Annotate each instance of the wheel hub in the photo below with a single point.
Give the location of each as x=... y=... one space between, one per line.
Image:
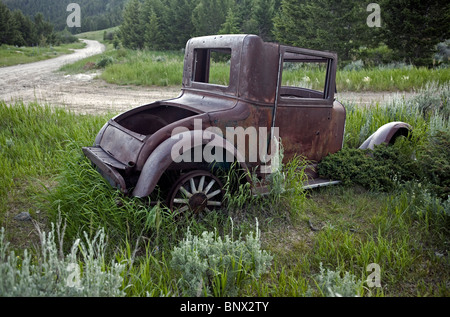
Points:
x=198 y=202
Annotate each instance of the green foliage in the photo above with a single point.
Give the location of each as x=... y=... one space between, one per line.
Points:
x=144 y=68
x=50 y=273
x=380 y=169
x=442 y=56
x=230 y=26
x=423 y=158
x=18 y=29
x=210 y=265
x=131 y=29
x=376 y=56
x=104 y=61
x=386 y=167
x=413 y=28
x=95 y=14
x=209 y=15
x=334 y=284
x=322 y=25
x=86 y=200
x=435 y=163
x=168 y=24
x=410 y=29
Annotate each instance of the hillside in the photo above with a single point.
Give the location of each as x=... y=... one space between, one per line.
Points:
x=95 y=14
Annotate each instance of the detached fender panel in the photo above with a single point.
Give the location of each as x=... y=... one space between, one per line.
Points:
x=164 y=155
x=386 y=134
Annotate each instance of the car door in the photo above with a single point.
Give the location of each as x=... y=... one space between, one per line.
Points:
x=309 y=121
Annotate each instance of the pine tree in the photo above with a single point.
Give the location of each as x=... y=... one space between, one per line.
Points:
x=231 y=25
x=209 y=15
x=6 y=24
x=44 y=30
x=25 y=31
x=263 y=15
x=132 y=30
x=322 y=24
x=153 y=37
x=413 y=28
x=181 y=27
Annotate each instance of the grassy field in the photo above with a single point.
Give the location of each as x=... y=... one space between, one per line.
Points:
x=11 y=55
x=143 y=67
x=291 y=243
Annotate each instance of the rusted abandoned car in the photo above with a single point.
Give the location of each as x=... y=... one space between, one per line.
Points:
x=176 y=145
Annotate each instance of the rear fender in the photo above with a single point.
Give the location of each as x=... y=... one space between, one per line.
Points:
x=168 y=152
x=386 y=134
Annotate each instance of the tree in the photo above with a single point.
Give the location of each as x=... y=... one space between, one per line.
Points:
x=153 y=36
x=132 y=30
x=6 y=24
x=413 y=28
x=322 y=24
x=180 y=23
x=262 y=14
x=44 y=30
x=25 y=30
x=209 y=15
x=231 y=24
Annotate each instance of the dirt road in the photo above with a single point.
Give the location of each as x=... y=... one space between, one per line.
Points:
x=84 y=93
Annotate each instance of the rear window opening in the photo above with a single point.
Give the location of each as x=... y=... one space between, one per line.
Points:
x=304 y=76
x=212 y=66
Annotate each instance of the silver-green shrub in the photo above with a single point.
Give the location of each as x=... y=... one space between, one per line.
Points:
x=212 y=266
x=334 y=284
x=51 y=274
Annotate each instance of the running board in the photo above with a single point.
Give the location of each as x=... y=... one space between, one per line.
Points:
x=319 y=182
x=309 y=184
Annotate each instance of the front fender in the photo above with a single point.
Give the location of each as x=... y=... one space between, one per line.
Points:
x=386 y=134
x=162 y=157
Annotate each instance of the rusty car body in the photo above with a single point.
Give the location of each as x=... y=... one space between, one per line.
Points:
x=135 y=149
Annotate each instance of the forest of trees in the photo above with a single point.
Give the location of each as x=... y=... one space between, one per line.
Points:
x=409 y=30
x=21 y=30
x=95 y=14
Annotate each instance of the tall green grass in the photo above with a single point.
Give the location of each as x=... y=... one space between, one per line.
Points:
x=34 y=141
x=426 y=112
x=390 y=79
x=148 y=68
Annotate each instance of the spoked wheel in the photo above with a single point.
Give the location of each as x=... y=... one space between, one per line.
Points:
x=196 y=191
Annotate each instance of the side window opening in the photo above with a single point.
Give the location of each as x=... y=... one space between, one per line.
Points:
x=305 y=76
x=212 y=66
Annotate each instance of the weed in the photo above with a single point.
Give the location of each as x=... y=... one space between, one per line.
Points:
x=333 y=284
x=50 y=273
x=210 y=265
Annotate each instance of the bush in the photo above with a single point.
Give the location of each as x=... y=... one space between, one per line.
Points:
x=210 y=265
x=376 y=56
x=380 y=169
x=355 y=65
x=435 y=163
x=333 y=284
x=442 y=56
x=104 y=61
x=388 y=166
x=53 y=274
x=65 y=37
